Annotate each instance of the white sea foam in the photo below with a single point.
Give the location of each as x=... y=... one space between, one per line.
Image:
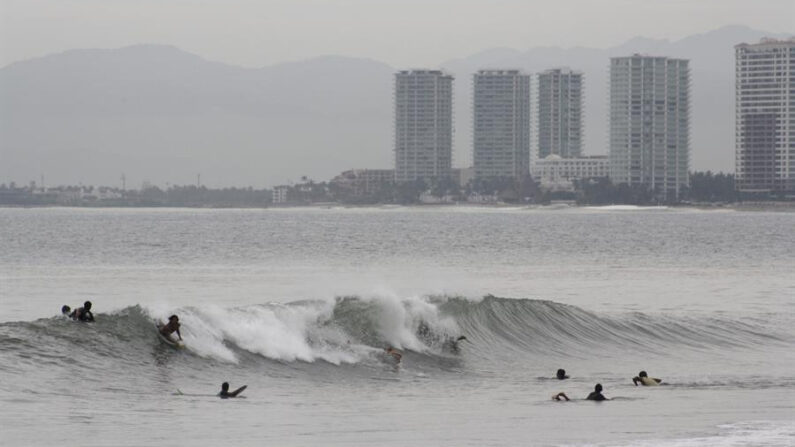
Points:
x=400 y=318
x=626 y=208
x=305 y=331
x=753 y=433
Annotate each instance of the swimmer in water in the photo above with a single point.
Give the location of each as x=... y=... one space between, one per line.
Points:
x=597 y=394
x=645 y=380
x=226 y=394
x=66 y=311
x=453 y=344
x=560 y=396
x=561 y=374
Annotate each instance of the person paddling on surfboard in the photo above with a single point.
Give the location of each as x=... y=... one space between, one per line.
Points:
x=66 y=311
x=597 y=394
x=225 y=393
x=645 y=380
x=172 y=326
x=561 y=374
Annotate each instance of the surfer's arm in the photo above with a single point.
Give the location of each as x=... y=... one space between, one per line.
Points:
x=179 y=335
x=238 y=391
x=635 y=380
x=658 y=380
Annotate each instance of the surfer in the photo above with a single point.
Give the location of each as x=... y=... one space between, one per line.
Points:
x=225 y=393
x=561 y=374
x=394 y=353
x=559 y=396
x=172 y=326
x=453 y=344
x=645 y=380
x=83 y=313
x=66 y=311
x=597 y=394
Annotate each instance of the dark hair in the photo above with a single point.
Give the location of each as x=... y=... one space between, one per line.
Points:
x=643 y=374
x=598 y=387
x=65 y=309
x=173 y=317
x=561 y=373
x=87 y=305
x=225 y=386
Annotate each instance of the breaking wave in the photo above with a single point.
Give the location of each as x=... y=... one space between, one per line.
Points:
x=355 y=330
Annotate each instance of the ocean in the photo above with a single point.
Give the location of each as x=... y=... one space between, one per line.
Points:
x=300 y=303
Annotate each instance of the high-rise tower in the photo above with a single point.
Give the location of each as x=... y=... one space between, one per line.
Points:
x=560 y=113
x=423 y=125
x=650 y=123
x=765 y=116
x=501 y=123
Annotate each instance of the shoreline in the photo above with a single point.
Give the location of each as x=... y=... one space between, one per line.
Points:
x=738 y=206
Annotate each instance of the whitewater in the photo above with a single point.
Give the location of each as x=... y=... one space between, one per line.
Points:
x=299 y=304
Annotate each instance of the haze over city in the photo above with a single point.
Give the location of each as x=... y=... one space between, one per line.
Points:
x=394 y=223
x=401 y=33
x=323 y=114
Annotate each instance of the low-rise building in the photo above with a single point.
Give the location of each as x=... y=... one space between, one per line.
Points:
x=557 y=173
x=280 y=193
x=363 y=182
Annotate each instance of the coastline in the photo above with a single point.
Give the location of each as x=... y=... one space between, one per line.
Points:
x=780 y=206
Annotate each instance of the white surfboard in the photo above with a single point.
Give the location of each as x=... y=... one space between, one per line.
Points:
x=177 y=344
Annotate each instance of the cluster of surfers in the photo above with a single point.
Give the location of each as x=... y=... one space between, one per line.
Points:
x=642 y=378
x=167 y=330
x=79 y=314
x=85 y=315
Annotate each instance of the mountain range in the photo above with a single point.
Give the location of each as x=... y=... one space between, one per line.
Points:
x=156 y=113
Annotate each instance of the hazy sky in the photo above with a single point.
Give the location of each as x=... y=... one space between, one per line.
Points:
x=399 y=32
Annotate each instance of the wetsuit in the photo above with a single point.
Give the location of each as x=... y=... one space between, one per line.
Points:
x=84 y=315
x=226 y=394
x=597 y=396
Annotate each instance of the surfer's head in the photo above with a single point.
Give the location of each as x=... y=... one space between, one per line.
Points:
x=173 y=318
x=225 y=386
x=87 y=305
x=643 y=374
x=598 y=388
x=66 y=309
x=561 y=374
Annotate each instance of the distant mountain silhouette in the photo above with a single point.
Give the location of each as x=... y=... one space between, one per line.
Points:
x=158 y=113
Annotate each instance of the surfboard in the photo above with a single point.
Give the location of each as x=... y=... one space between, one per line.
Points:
x=177 y=344
x=648 y=381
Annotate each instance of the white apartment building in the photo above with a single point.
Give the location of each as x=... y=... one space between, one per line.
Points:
x=765 y=116
x=501 y=123
x=558 y=173
x=650 y=123
x=279 y=194
x=560 y=124
x=423 y=125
